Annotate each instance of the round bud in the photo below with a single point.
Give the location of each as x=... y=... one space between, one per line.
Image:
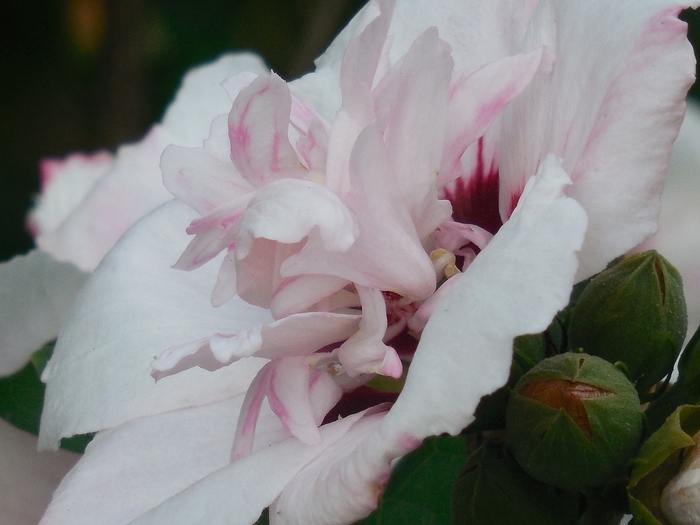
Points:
x=573 y=421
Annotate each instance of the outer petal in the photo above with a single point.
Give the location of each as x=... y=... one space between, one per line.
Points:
x=679 y=223
x=36 y=294
x=64 y=184
x=150 y=460
x=27 y=477
x=237 y=494
x=515 y=286
x=133 y=187
x=100 y=377
x=611 y=109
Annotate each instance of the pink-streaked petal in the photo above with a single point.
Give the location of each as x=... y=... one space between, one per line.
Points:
x=453 y=235
x=288 y=210
x=476 y=99
x=27 y=477
x=299 y=334
x=365 y=352
x=299 y=395
x=247 y=486
x=313 y=146
x=36 y=294
x=273 y=227
x=64 y=184
x=200 y=180
x=387 y=254
x=478 y=32
x=356 y=79
x=258 y=130
x=414 y=95
x=213 y=233
x=297 y=294
x=201 y=96
x=101 y=378
x=611 y=109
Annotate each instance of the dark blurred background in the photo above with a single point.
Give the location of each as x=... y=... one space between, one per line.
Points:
x=83 y=75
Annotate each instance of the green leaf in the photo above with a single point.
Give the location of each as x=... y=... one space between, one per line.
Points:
x=659 y=460
x=420 y=486
x=492 y=489
x=22 y=398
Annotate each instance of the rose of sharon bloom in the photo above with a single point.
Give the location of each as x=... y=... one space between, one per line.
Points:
x=433 y=190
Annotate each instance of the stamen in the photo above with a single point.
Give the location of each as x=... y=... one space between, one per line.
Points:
x=444 y=263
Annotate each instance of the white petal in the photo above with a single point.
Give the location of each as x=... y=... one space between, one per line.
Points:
x=134 y=307
x=237 y=493
x=36 y=295
x=136 y=466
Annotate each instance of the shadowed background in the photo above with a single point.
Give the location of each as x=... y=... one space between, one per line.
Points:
x=83 y=75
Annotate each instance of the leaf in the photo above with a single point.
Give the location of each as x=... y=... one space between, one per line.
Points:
x=421 y=484
x=22 y=398
x=659 y=460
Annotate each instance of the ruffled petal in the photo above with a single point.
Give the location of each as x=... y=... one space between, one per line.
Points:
x=292 y=388
x=273 y=227
x=387 y=254
x=99 y=378
x=299 y=334
x=365 y=352
x=476 y=99
x=200 y=97
x=258 y=129
x=36 y=295
x=27 y=477
x=414 y=96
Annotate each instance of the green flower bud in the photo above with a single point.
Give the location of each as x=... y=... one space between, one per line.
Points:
x=492 y=489
x=633 y=313
x=573 y=421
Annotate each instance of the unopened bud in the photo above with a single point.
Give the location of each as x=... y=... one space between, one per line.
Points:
x=633 y=313
x=573 y=421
